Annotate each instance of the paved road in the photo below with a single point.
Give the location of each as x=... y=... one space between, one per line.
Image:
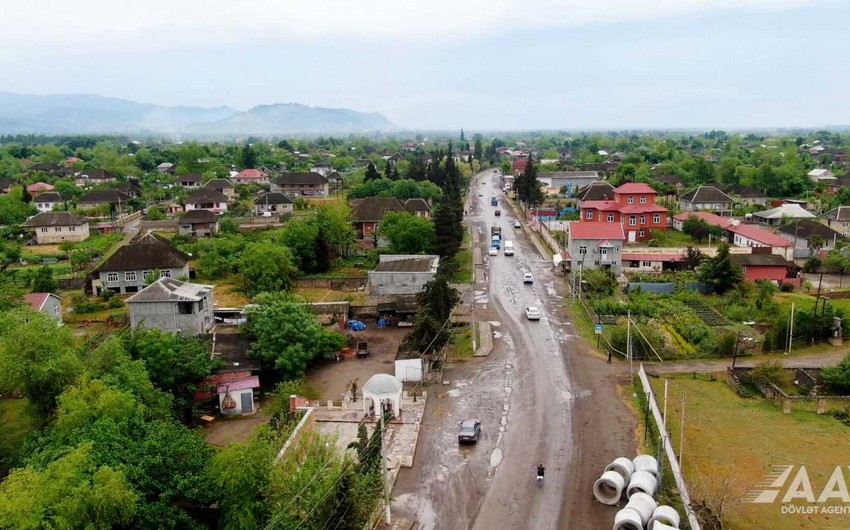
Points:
x=529 y=401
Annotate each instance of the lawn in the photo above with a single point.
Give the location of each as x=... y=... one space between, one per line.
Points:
x=16 y=425
x=329 y=295
x=464 y=261
x=807 y=301
x=731 y=443
x=460 y=346
x=674 y=238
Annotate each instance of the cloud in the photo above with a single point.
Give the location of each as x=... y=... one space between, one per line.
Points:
x=109 y=26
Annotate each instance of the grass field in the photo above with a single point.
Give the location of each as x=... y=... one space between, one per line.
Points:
x=464 y=261
x=16 y=425
x=731 y=443
x=461 y=343
x=807 y=301
x=329 y=295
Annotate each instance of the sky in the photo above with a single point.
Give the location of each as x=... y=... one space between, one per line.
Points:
x=447 y=64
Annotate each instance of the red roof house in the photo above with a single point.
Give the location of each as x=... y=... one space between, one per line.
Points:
x=518 y=166
x=250 y=176
x=633 y=207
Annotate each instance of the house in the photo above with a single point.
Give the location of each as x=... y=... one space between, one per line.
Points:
x=801 y=233
x=567 y=181
x=223 y=186
x=782 y=214
x=94 y=177
x=47 y=303
x=139 y=262
x=595 y=191
x=116 y=200
x=335 y=179
x=273 y=203
x=418 y=207
x=649 y=262
x=174 y=306
x=746 y=195
x=821 y=175
x=6 y=185
x=198 y=223
x=518 y=166
x=369 y=212
x=762 y=266
x=596 y=246
x=744 y=235
x=39 y=187
x=671 y=182
x=838 y=219
x=706 y=199
x=206 y=199
x=130 y=188
x=633 y=206
x=58 y=227
x=237 y=396
x=45 y=167
x=401 y=274
x=838 y=184
x=250 y=176
x=190 y=180
x=303 y=184
x=710 y=218
x=45 y=202
x=166 y=167
x=322 y=169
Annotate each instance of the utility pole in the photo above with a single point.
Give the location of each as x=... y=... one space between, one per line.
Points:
x=629 y=346
x=735 y=352
x=384 y=468
x=682 y=432
x=790 y=330
x=472 y=297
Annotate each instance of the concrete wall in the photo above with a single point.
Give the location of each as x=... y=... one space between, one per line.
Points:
x=274 y=209
x=409 y=369
x=165 y=316
x=398 y=282
x=593 y=259
x=139 y=283
x=49 y=235
x=53 y=307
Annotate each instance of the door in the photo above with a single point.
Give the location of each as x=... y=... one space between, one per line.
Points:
x=632 y=236
x=248 y=402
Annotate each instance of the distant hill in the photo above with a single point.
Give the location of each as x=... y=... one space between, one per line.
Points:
x=93 y=114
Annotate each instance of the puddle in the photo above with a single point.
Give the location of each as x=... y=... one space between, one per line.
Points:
x=496 y=457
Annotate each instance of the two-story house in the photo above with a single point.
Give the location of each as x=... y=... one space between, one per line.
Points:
x=633 y=206
x=45 y=202
x=57 y=227
x=116 y=200
x=138 y=263
x=174 y=306
x=206 y=199
x=303 y=184
x=190 y=180
x=250 y=176
x=94 y=177
x=838 y=219
x=198 y=223
x=595 y=246
x=273 y=203
x=223 y=186
x=706 y=199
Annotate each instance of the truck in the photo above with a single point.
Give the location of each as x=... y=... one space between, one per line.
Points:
x=509 y=248
x=496 y=231
x=493 y=200
x=495 y=242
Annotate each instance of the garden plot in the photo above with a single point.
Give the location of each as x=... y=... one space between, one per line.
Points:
x=706 y=313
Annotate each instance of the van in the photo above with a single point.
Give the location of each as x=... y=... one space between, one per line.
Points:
x=509 y=248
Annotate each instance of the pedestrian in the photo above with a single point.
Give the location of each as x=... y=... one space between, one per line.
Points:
x=610 y=352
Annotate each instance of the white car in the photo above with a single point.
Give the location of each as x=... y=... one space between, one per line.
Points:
x=532 y=313
x=517 y=225
x=527 y=278
x=493 y=251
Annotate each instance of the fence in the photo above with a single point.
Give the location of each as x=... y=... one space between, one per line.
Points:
x=349 y=284
x=668 y=449
x=164 y=225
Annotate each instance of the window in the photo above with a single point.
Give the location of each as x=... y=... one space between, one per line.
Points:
x=631 y=199
x=656 y=218
x=201 y=304
x=56 y=310
x=165 y=273
x=185 y=308
x=582 y=250
x=130 y=276
x=634 y=264
x=43 y=230
x=148 y=275
x=72 y=228
x=641 y=233
x=112 y=276
x=643 y=199
x=632 y=220
x=647 y=264
x=603 y=251
x=642 y=219
x=57 y=229
x=589 y=214
x=610 y=218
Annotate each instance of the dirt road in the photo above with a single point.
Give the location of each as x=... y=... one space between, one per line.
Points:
x=540 y=399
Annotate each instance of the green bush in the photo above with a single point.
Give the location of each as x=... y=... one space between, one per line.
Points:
x=737 y=312
x=84 y=305
x=114 y=303
x=768 y=372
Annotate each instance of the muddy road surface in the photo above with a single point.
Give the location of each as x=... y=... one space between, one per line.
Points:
x=540 y=396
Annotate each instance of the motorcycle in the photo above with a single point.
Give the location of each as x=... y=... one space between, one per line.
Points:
x=540 y=477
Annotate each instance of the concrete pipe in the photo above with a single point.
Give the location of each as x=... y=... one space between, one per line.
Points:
x=623 y=466
x=646 y=463
x=664 y=515
x=642 y=481
x=609 y=488
x=644 y=505
x=661 y=526
x=627 y=519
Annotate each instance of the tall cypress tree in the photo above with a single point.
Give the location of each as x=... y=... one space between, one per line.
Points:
x=534 y=195
x=371 y=173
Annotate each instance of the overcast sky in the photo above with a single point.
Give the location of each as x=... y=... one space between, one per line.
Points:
x=446 y=64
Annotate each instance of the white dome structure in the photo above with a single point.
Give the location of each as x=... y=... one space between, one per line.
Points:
x=382 y=389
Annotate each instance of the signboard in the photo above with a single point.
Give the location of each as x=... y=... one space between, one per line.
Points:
x=598 y=329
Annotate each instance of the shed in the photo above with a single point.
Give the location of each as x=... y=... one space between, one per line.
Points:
x=409 y=366
x=382 y=390
x=237 y=397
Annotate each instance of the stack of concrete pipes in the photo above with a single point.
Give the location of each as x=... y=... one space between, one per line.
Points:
x=638 y=480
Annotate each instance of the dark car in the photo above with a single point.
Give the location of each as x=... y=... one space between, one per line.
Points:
x=468 y=431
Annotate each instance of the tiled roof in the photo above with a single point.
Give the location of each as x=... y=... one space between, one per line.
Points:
x=40 y=186
x=635 y=187
x=54 y=219
x=372 y=209
x=110 y=196
x=710 y=218
x=205 y=195
x=304 y=177
x=761 y=235
x=219 y=184
x=199 y=216
x=580 y=230
x=48 y=196
x=250 y=174
x=759 y=260
x=841 y=213
x=705 y=194
x=171 y=290
x=189 y=178
x=417 y=205
x=596 y=191
x=148 y=251
x=273 y=197
x=805 y=228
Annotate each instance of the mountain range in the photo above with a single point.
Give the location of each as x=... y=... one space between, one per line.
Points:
x=94 y=114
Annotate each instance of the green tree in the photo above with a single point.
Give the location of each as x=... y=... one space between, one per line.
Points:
x=240 y=475
x=287 y=336
x=43 y=281
x=838 y=376
x=697 y=228
x=371 y=173
x=266 y=267
x=336 y=219
x=71 y=492
x=720 y=272
x=837 y=261
x=407 y=233
x=299 y=235
x=248 y=159
x=14 y=208
x=192 y=159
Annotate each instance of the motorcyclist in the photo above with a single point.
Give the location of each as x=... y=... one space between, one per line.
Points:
x=540 y=470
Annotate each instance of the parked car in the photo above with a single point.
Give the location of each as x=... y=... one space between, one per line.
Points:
x=468 y=431
x=517 y=224
x=527 y=278
x=532 y=313
x=494 y=251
